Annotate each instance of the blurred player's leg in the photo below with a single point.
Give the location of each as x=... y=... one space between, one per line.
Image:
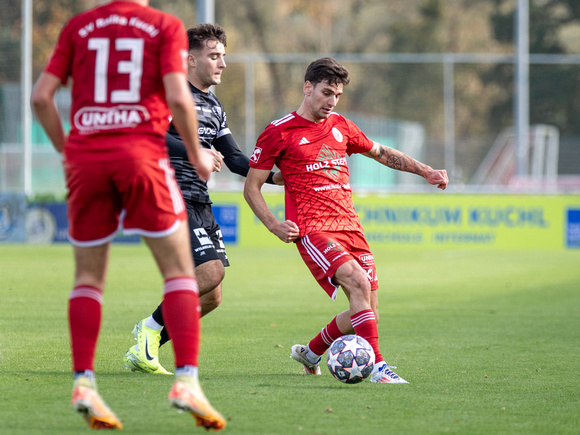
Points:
x=84 y=314
x=209 y=276
x=90 y=405
x=181 y=315
x=186 y=395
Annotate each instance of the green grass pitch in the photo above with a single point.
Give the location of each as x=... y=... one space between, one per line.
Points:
x=489 y=341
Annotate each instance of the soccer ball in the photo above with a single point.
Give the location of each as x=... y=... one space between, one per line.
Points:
x=350 y=359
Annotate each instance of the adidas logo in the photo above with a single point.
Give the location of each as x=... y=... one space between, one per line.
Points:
x=303 y=141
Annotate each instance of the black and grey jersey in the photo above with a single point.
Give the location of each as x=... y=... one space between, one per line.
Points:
x=213 y=131
x=212 y=126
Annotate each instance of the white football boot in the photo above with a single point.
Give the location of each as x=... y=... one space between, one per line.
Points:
x=382 y=374
x=299 y=353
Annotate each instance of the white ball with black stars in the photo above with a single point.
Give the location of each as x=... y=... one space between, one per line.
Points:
x=350 y=359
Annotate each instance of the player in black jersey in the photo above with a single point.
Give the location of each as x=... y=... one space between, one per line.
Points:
x=206 y=61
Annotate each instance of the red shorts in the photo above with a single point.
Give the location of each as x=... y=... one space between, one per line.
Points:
x=324 y=253
x=142 y=196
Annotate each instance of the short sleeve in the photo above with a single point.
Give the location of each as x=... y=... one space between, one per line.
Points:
x=268 y=148
x=61 y=60
x=174 y=48
x=358 y=142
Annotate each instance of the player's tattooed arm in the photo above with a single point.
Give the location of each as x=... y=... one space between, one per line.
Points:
x=395 y=159
x=402 y=162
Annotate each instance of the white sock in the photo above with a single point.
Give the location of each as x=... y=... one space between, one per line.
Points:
x=152 y=324
x=311 y=356
x=86 y=374
x=186 y=371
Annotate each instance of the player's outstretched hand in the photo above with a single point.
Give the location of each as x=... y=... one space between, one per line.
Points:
x=438 y=177
x=286 y=231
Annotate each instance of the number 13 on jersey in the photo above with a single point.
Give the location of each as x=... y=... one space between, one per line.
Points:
x=133 y=67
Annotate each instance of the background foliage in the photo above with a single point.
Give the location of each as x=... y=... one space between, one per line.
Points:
x=401 y=91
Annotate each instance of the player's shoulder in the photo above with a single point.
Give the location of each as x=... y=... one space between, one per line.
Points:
x=278 y=127
x=340 y=121
x=82 y=18
x=283 y=122
x=337 y=118
x=125 y=13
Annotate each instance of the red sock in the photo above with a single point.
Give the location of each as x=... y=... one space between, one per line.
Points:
x=181 y=316
x=322 y=341
x=365 y=325
x=84 y=318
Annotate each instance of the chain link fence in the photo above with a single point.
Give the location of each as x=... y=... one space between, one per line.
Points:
x=451 y=111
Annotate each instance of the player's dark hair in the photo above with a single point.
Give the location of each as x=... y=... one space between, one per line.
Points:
x=198 y=35
x=327 y=70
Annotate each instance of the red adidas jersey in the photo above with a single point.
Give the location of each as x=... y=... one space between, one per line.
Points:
x=117 y=55
x=312 y=158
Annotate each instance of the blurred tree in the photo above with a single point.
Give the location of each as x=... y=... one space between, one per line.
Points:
x=415 y=90
x=483 y=93
x=184 y=9
x=554 y=89
x=302 y=26
x=49 y=16
x=10 y=37
x=48 y=19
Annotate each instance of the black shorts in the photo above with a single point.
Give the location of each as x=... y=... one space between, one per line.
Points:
x=206 y=237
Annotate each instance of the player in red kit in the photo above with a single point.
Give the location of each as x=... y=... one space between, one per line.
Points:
x=310 y=147
x=127 y=64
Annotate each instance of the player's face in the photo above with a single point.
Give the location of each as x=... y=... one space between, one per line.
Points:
x=322 y=99
x=209 y=64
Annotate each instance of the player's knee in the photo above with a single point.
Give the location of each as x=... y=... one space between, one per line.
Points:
x=220 y=276
x=208 y=285
x=363 y=282
x=210 y=277
x=360 y=287
x=210 y=301
x=216 y=297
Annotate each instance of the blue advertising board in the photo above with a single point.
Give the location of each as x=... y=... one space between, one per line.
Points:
x=227 y=218
x=573 y=228
x=12 y=214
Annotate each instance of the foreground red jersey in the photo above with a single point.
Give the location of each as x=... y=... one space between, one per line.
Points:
x=117 y=55
x=312 y=159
